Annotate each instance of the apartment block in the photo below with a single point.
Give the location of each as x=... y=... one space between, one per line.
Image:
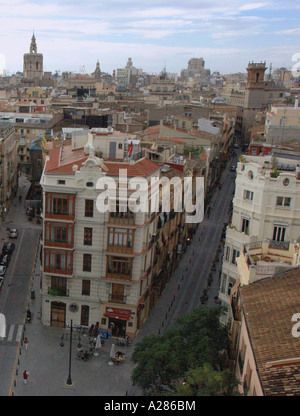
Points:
x=266 y=205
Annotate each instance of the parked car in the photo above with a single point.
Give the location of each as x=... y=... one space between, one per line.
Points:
x=2 y=271
x=1 y=281
x=13 y=233
x=5 y=260
x=8 y=248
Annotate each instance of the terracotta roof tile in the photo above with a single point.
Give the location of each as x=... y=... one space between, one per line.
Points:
x=268 y=307
x=64 y=163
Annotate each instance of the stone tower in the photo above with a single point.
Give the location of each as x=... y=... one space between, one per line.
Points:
x=97 y=72
x=254 y=93
x=33 y=63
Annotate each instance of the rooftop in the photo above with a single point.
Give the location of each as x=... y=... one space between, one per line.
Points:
x=62 y=160
x=268 y=306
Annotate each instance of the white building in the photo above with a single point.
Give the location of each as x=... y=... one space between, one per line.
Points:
x=96 y=266
x=266 y=205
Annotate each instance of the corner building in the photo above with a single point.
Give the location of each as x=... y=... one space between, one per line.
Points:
x=96 y=267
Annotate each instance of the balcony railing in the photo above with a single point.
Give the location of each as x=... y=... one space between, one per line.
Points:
x=119 y=249
x=117 y=276
x=58 y=243
x=57 y=292
x=121 y=218
x=58 y=270
x=117 y=298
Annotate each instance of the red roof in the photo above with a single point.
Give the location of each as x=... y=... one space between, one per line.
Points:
x=64 y=163
x=172 y=139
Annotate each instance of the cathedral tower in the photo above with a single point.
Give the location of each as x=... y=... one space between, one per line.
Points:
x=33 y=63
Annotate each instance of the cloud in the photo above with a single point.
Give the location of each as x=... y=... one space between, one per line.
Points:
x=71 y=33
x=252 y=6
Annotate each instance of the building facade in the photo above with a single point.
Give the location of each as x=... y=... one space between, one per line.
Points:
x=265 y=206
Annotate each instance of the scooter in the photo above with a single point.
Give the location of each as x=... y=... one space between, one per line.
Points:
x=28 y=316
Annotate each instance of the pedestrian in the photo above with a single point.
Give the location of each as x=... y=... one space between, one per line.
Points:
x=25 y=376
x=26 y=343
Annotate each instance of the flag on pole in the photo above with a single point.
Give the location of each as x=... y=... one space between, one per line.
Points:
x=130 y=148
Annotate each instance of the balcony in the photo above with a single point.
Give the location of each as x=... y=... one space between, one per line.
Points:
x=58 y=243
x=119 y=249
x=117 y=298
x=120 y=218
x=59 y=215
x=58 y=270
x=118 y=276
x=58 y=292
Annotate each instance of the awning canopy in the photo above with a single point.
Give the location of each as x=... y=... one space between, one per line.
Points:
x=121 y=314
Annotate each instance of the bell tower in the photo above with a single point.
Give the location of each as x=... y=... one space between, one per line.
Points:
x=33 y=63
x=33 y=47
x=255 y=85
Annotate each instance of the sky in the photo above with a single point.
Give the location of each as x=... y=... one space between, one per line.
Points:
x=73 y=34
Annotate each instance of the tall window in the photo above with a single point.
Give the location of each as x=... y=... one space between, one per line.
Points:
x=85 y=312
x=235 y=254
x=227 y=255
x=60 y=204
x=245 y=226
x=59 y=283
x=119 y=265
x=121 y=211
x=120 y=237
x=88 y=236
x=87 y=263
x=58 y=233
x=86 y=287
x=248 y=195
x=89 y=208
x=279 y=233
x=224 y=283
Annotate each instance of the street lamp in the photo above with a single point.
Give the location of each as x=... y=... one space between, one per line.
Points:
x=69 y=383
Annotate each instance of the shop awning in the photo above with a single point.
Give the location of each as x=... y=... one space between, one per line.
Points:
x=121 y=314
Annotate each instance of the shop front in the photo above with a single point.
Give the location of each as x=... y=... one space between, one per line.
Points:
x=117 y=321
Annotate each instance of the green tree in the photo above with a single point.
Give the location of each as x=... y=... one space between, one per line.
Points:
x=205 y=381
x=162 y=361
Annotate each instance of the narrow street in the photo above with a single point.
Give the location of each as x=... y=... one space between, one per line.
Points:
x=47 y=360
x=15 y=290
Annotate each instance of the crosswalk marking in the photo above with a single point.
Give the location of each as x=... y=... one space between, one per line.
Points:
x=11 y=332
x=18 y=333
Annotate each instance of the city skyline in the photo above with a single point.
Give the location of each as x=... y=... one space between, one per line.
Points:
x=156 y=36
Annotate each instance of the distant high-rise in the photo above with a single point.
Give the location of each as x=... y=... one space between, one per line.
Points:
x=33 y=63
